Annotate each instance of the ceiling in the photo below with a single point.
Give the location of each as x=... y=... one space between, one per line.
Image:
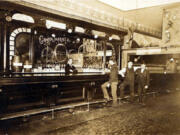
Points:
x=145 y=12
x=136 y=4
x=151 y=16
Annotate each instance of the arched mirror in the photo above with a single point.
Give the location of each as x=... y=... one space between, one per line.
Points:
x=19 y=44
x=22 y=45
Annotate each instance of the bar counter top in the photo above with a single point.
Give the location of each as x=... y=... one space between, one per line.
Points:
x=37 y=78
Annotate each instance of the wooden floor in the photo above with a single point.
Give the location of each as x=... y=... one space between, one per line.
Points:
x=160 y=116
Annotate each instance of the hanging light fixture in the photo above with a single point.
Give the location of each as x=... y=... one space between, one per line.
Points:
x=8 y=18
x=53 y=35
x=95 y=36
x=110 y=38
x=70 y=28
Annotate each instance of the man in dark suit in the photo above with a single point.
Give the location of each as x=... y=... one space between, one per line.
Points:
x=128 y=74
x=143 y=82
x=69 y=68
x=113 y=82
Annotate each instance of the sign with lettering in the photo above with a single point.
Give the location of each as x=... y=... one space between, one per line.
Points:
x=52 y=47
x=49 y=40
x=148 y=51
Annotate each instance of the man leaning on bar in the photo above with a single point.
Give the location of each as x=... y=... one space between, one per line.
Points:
x=128 y=74
x=113 y=82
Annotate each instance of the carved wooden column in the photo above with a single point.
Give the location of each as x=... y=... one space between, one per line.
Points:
x=1 y=47
x=125 y=59
x=120 y=51
x=31 y=47
x=5 y=48
x=104 y=58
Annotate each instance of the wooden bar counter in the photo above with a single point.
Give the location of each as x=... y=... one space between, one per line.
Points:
x=39 y=78
x=31 y=90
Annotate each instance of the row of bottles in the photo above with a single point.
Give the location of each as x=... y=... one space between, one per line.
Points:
x=26 y=67
x=56 y=67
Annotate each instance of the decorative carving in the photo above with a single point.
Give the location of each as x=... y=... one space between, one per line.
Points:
x=130 y=36
x=167 y=33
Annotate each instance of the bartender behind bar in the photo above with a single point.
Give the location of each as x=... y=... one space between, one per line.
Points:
x=69 y=68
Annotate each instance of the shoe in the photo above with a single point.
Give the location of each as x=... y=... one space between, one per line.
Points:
x=121 y=102
x=142 y=104
x=114 y=104
x=106 y=100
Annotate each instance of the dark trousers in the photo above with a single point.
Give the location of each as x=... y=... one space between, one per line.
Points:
x=124 y=84
x=141 y=93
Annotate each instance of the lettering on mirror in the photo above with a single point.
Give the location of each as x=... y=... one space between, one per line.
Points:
x=47 y=40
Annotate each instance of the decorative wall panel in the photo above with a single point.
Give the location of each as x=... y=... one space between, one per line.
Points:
x=171 y=27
